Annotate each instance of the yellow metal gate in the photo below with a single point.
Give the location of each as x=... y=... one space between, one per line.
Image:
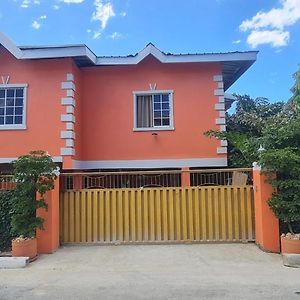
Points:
x=157 y=215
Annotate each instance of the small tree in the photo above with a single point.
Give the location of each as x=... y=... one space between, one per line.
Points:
x=34 y=174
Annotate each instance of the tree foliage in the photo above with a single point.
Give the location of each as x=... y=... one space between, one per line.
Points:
x=275 y=130
x=34 y=174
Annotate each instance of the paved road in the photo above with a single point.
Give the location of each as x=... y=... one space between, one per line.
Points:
x=218 y=271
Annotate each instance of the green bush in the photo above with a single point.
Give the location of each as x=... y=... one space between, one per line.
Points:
x=5 y=220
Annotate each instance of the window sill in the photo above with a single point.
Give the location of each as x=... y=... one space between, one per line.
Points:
x=12 y=127
x=154 y=129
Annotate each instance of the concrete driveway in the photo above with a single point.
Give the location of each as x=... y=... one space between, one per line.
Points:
x=206 y=271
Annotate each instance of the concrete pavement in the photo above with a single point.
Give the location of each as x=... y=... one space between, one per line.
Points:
x=195 y=271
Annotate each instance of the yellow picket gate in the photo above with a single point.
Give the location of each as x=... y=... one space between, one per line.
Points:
x=157 y=215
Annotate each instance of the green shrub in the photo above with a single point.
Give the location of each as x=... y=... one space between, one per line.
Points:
x=5 y=220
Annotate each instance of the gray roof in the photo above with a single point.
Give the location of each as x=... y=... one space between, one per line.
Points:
x=233 y=64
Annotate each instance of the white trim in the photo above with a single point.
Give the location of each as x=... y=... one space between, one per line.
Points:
x=67 y=135
x=67 y=118
x=70 y=126
x=230 y=97
x=224 y=143
x=68 y=85
x=68 y=101
x=149 y=164
x=219 y=92
x=10 y=46
x=8 y=160
x=222 y=150
x=221 y=99
x=221 y=85
x=220 y=121
x=67 y=151
x=70 y=93
x=222 y=127
x=69 y=143
x=153 y=92
x=22 y=126
x=218 y=78
x=70 y=77
x=219 y=106
x=14 y=85
x=222 y=114
x=70 y=110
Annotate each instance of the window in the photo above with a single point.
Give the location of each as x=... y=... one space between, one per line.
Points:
x=153 y=110
x=12 y=106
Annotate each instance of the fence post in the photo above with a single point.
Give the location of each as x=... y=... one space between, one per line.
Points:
x=266 y=223
x=48 y=239
x=185 y=177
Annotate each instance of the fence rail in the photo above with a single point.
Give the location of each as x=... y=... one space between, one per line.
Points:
x=6 y=182
x=163 y=178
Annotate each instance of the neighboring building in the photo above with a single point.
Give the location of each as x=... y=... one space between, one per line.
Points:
x=142 y=111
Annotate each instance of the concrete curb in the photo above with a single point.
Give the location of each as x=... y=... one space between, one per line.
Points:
x=13 y=262
x=291 y=260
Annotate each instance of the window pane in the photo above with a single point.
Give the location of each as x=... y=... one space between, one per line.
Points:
x=2 y=93
x=9 y=120
x=19 y=93
x=18 y=120
x=165 y=113
x=2 y=102
x=10 y=93
x=9 y=102
x=157 y=122
x=9 y=110
x=166 y=122
x=19 y=102
x=165 y=106
x=157 y=98
x=18 y=110
x=1 y=120
x=165 y=97
x=1 y=111
x=157 y=114
x=157 y=106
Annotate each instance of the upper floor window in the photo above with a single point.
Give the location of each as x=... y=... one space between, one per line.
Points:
x=12 y=106
x=153 y=110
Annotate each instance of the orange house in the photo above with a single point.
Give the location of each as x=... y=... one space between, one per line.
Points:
x=142 y=111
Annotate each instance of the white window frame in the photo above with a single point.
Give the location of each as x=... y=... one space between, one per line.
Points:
x=153 y=92
x=17 y=126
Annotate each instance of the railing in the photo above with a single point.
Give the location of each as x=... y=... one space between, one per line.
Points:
x=6 y=182
x=163 y=178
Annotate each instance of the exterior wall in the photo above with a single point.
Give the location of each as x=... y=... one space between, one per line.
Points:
x=44 y=109
x=107 y=111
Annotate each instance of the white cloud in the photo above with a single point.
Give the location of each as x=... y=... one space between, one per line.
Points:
x=236 y=42
x=116 y=36
x=36 y=25
x=56 y=7
x=71 y=1
x=270 y=27
x=276 y=38
x=25 y=3
x=123 y=14
x=38 y=2
x=103 y=12
x=97 y=35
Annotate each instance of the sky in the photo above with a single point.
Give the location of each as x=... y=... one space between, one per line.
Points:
x=122 y=27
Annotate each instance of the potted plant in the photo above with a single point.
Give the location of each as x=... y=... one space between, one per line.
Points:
x=34 y=175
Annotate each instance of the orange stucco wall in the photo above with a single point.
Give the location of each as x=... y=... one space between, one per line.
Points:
x=44 y=108
x=107 y=111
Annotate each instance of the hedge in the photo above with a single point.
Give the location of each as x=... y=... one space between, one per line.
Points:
x=5 y=220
